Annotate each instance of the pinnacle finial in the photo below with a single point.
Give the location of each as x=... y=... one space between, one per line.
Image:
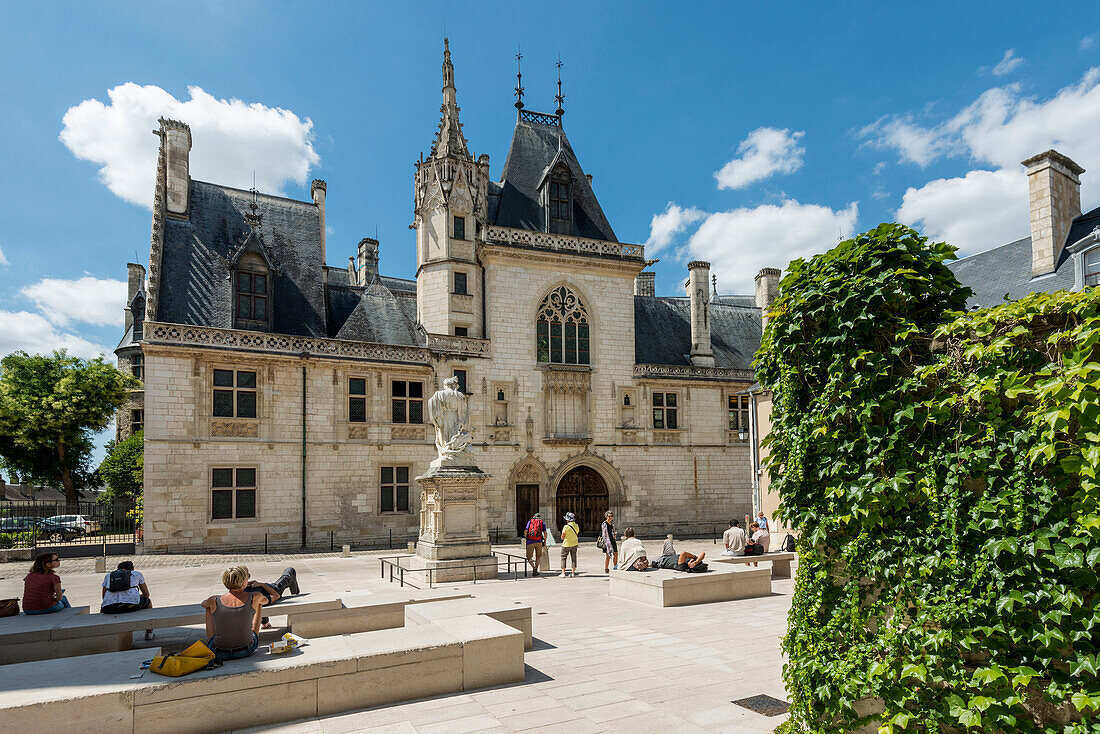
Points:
x=519 y=79
x=448 y=67
x=560 y=98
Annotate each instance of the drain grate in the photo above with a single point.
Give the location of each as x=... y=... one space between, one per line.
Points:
x=765 y=705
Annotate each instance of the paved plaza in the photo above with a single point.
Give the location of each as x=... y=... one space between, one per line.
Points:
x=598 y=664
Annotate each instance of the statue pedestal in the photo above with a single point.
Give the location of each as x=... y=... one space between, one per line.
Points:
x=454 y=526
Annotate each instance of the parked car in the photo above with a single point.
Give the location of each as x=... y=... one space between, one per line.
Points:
x=47 y=530
x=16 y=524
x=80 y=523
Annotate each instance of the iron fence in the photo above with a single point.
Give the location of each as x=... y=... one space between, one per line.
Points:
x=70 y=530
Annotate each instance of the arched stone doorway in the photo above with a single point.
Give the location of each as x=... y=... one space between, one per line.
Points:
x=582 y=491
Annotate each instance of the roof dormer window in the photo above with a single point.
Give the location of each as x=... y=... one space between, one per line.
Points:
x=560 y=202
x=252 y=292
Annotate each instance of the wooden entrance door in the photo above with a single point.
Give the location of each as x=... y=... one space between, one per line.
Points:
x=583 y=492
x=527 y=504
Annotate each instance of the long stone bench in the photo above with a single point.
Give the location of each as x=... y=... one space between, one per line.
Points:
x=88 y=634
x=780 y=560
x=23 y=635
x=328 y=675
x=363 y=612
x=510 y=613
x=664 y=587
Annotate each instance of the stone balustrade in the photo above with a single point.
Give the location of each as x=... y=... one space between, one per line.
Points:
x=562 y=243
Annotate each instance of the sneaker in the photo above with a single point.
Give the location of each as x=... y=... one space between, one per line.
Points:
x=294 y=582
x=534 y=573
x=150 y=635
x=561 y=575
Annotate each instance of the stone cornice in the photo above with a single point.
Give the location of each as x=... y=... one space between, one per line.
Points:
x=464 y=345
x=563 y=243
x=255 y=341
x=690 y=372
x=631 y=267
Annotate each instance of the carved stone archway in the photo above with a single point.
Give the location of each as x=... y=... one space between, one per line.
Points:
x=528 y=485
x=590 y=484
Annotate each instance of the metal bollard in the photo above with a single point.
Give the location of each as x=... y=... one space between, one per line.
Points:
x=347 y=551
x=411 y=547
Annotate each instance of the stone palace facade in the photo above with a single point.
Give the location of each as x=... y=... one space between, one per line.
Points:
x=284 y=399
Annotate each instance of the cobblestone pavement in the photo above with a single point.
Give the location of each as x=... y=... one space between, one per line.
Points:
x=599 y=664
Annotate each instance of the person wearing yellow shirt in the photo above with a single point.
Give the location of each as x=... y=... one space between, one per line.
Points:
x=570 y=539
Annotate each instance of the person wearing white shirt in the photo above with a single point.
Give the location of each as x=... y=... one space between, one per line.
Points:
x=759 y=537
x=124 y=590
x=734 y=539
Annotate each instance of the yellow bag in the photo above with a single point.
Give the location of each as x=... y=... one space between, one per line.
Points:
x=195 y=657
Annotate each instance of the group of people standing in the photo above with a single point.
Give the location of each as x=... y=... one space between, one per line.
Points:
x=233 y=619
x=633 y=552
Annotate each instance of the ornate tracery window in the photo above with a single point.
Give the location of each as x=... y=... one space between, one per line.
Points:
x=562 y=328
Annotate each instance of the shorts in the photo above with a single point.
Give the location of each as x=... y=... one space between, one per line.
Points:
x=570 y=554
x=534 y=550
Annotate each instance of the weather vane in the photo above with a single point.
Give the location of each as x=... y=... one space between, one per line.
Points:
x=519 y=79
x=560 y=98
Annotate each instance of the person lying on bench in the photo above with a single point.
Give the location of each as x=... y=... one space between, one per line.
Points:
x=274 y=592
x=233 y=619
x=124 y=590
x=687 y=562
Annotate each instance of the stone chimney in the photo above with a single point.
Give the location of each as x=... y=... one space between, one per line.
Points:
x=645 y=284
x=318 y=191
x=353 y=273
x=135 y=283
x=698 y=285
x=1054 y=187
x=177 y=145
x=767 y=289
x=368 y=260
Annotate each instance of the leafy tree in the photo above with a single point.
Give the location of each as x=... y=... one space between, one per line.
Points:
x=122 y=468
x=50 y=409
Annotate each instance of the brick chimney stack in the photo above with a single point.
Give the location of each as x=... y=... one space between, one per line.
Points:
x=699 y=292
x=368 y=260
x=318 y=190
x=1054 y=187
x=177 y=145
x=645 y=284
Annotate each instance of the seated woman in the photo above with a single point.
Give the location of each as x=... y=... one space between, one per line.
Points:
x=42 y=592
x=233 y=619
x=274 y=592
x=632 y=553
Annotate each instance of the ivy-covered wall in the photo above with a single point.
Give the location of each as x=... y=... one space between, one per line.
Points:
x=942 y=468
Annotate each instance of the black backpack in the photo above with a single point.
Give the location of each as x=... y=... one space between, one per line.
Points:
x=119 y=580
x=788 y=543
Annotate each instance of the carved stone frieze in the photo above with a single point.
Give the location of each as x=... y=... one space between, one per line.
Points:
x=690 y=372
x=567 y=380
x=206 y=336
x=407 y=433
x=666 y=437
x=234 y=429
x=359 y=432
x=501 y=434
x=458 y=345
x=630 y=437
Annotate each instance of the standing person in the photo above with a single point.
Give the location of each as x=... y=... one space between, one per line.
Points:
x=610 y=548
x=124 y=590
x=535 y=536
x=570 y=539
x=42 y=592
x=735 y=539
x=762 y=521
x=233 y=619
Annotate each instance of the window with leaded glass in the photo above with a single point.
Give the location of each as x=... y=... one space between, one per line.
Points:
x=234 y=394
x=460 y=228
x=394 y=489
x=252 y=296
x=407 y=401
x=460 y=283
x=664 y=411
x=560 y=212
x=357 y=400
x=561 y=332
x=739 y=413
x=233 y=493
x=137 y=366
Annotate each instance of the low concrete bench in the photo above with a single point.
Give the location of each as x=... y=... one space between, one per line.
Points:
x=364 y=612
x=510 y=613
x=88 y=634
x=23 y=635
x=664 y=587
x=780 y=560
x=326 y=676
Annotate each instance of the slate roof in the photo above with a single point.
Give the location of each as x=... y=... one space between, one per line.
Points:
x=1005 y=271
x=514 y=202
x=662 y=332
x=196 y=288
x=384 y=317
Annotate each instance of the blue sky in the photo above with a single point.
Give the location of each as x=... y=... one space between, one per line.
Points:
x=752 y=132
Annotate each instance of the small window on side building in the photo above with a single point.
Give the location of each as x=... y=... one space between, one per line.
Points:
x=460 y=228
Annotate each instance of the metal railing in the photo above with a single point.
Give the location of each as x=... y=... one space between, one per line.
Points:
x=392 y=568
x=82 y=528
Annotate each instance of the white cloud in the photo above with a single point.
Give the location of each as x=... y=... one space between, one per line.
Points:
x=1088 y=42
x=32 y=333
x=3 y=260
x=86 y=300
x=980 y=210
x=1008 y=63
x=740 y=242
x=669 y=223
x=230 y=140
x=915 y=144
x=764 y=152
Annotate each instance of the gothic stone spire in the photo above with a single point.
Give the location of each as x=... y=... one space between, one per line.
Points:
x=449 y=141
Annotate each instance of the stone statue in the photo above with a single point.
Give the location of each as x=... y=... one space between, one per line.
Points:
x=448 y=412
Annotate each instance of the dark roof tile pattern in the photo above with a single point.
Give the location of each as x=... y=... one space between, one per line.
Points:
x=195 y=279
x=534 y=147
x=383 y=317
x=1006 y=270
x=662 y=332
